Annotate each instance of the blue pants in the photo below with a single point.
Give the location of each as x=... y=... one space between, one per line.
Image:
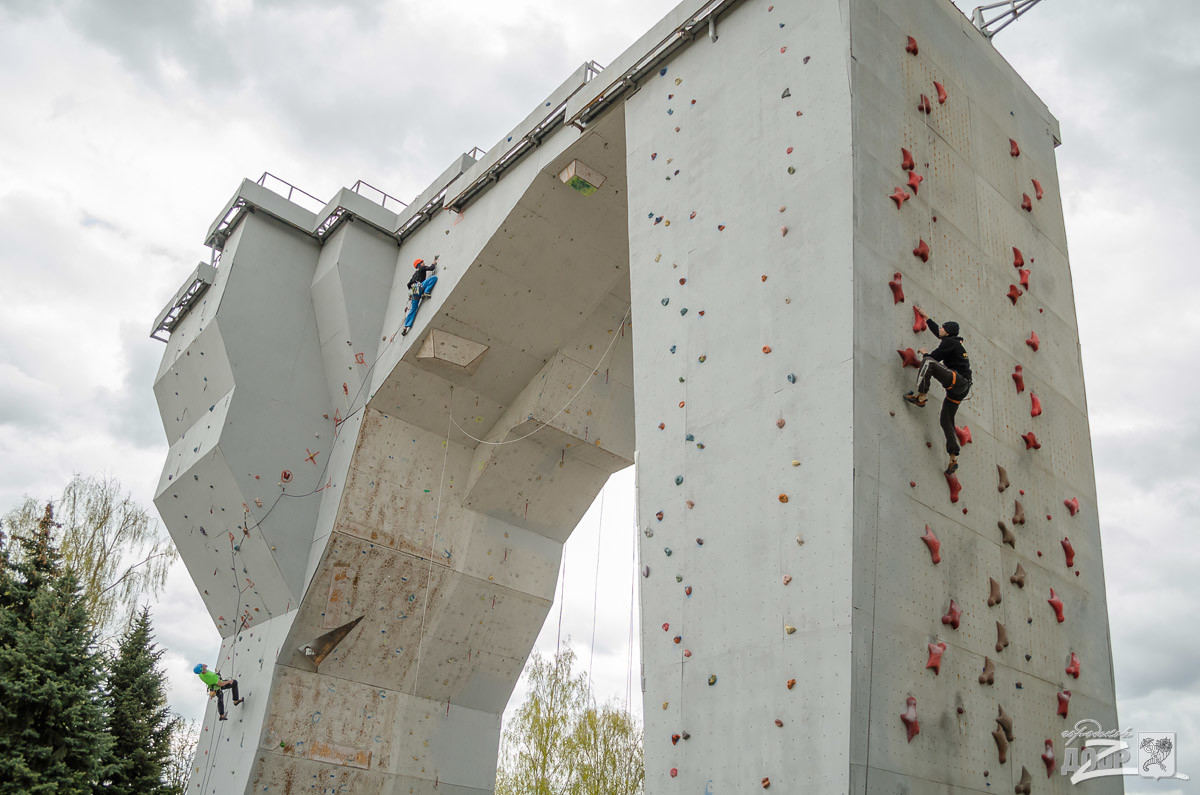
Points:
x=426 y=288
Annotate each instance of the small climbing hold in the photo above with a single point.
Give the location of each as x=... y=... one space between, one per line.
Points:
x=953 y=616
x=659 y=516
x=679 y=480
x=674 y=772
x=766 y=349
x=677 y=639
x=1063 y=697
x=674 y=739
x=1069 y=550
x=1072 y=505
x=1031 y=441
x=1018 y=577
x=941 y=92
x=1073 y=666
x=1057 y=604
x=645 y=571
x=1003 y=476
x=1006 y=535
x=689 y=438
x=994 y=597
x=787 y=578
x=790 y=150
x=712 y=679
x=791 y=378
x=912 y=48
x=699 y=542
x=782 y=50
x=955 y=487
x=1048 y=757
x=795 y=463
x=783 y=230
x=703 y=358
x=720 y=227
x=897 y=288
x=909 y=717
x=934 y=545
x=911 y=483
x=914 y=181
x=779 y=423
x=1037 y=189
x=1013 y=149
x=667 y=551
x=1025 y=785
x=906 y=160
x=787 y=92
x=664 y=302
x=789 y=629
x=1023 y=279
x=690 y=504
x=1033 y=341
x=783 y=498
x=687 y=653
x=1001 y=637
x=766 y=782
x=666 y=627
x=1018 y=516
x=1014 y=293
x=1018 y=258
x=919 y=323
x=779 y=723
x=800 y=540
x=683 y=311
x=764 y=277
x=1026 y=203
x=662 y=425
x=899 y=197
x=682 y=403
x=924 y=105
x=1001 y=745
x=963 y=434
x=922 y=251
x=285 y=476
x=936 y=650
x=791 y=169
x=791 y=683
x=988 y=676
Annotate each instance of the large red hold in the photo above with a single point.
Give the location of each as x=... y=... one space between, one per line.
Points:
x=1026 y=203
x=942 y=95
x=1018 y=258
x=911 y=47
x=936 y=650
x=922 y=249
x=1073 y=667
x=1063 y=698
x=1057 y=604
x=1035 y=405
x=1037 y=189
x=919 y=324
x=914 y=181
x=925 y=105
x=1023 y=273
x=1013 y=149
x=1014 y=292
x=954 y=616
x=1048 y=758
x=1069 y=550
x=1072 y=505
x=897 y=288
x=906 y=160
x=963 y=434
x=934 y=545
x=1018 y=378
x=955 y=487
x=908 y=358
x=899 y=197
x=1031 y=441
x=1033 y=341
x=909 y=716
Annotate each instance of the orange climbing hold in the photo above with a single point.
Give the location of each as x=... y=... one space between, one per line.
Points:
x=934 y=545
x=919 y=323
x=1033 y=341
x=1073 y=667
x=911 y=47
x=1026 y=203
x=922 y=249
x=766 y=349
x=941 y=92
x=914 y=181
x=963 y=434
x=906 y=160
x=766 y=783
x=1013 y=149
x=783 y=498
x=924 y=105
x=1031 y=441
x=909 y=716
x=908 y=358
x=1057 y=604
x=1037 y=189
x=1014 y=292
x=953 y=616
x=955 y=487
x=897 y=289
x=1072 y=505
x=899 y=197
x=779 y=423
x=791 y=683
x=1018 y=378
x=936 y=650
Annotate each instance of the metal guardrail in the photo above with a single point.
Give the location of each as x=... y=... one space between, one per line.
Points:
x=369 y=191
x=293 y=194
x=1012 y=10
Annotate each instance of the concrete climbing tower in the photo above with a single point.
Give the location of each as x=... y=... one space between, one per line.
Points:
x=708 y=253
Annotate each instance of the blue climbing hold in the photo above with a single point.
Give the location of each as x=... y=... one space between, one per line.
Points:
x=672 y=347
x=689 y=438
x=670 y=112
x=679 y=480
x=667 y=550
x=683 y=311
x=791 y=378
x=662 y=72
x=666 y=301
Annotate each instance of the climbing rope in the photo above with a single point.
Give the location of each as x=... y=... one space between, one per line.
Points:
x=596 y=587
x=437 y=515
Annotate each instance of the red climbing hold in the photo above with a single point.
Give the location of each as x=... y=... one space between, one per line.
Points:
x=906 y=162
x=922 y=249
x=955 y=487
x=1018 y=258
x=934 y=545
x=899 y=197
x=674 y=739
x=286 y=476
x=936 y=650
x=953 y=616
x=659 y=516
x=674 y=772
x=914 y=181
x=919 y=324
x=1019 y=379
x=1048 y=758
x=1073 y=668
x=963 y=434
x=1014 y=292
x=1057 y=604
x=1026 y=203
x=1063 y=698
x=897 y=289
x=1013 y=149
x=1035 y=405
x=1072 y=505
x=909 y=716
x=1031 y=441
x=924 y=105
x=911 y=47
x=1037 y=189
x=1033 y=341
x=666 y=626
x=941 y=92
x=1024 y=280
x=662 y=425
x=908 y=357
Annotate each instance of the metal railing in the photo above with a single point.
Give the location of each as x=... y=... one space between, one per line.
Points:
x=369 y=191
x=1012 y=10
x=290 y=192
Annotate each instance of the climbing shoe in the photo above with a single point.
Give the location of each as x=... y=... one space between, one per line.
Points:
x=223 y=717
x=912 y=398
x=238 y=701
x=404 y=333
x=952 y=468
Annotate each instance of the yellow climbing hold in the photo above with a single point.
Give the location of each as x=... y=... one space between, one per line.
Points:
x=789 y=629
x=783 y=498
x=795 y=463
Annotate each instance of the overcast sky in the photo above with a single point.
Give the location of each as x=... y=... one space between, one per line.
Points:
x=127 y=125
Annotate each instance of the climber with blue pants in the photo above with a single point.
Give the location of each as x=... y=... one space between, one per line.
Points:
x=216 y=687
x=950 y=365
x=419 y=286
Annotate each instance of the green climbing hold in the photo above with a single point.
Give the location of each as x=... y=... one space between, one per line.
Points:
x=678 y=578
x=667 y=550
x=683 y=311
x=666 y=301
x=791 y=169
x=681 y=379
x=699 y=446
x=702 y=359
x=712 y=679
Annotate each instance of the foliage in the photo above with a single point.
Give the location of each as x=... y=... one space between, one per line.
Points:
x=560 y=743
x=139 y=721
x=110 y=541
x=52 y=738
x=178 y=770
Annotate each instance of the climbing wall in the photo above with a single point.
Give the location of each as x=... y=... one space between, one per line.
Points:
x=739 y=161
x=958 y=210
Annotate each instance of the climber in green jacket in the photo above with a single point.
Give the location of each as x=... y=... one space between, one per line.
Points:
x=217 y=686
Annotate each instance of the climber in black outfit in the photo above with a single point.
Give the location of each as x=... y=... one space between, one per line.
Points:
x=951 y=367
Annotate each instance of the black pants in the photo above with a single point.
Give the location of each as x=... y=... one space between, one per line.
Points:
x=957 y=387
x=221 y=695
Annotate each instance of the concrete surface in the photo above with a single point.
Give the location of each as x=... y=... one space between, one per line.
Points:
x=375 y=521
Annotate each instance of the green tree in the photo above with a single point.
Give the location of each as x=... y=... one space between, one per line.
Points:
x=52 y=737
x=560 y=743
x=178 y=771
x=139 y=720
x=110 y=541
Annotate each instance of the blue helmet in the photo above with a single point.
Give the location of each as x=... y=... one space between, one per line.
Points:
x=199 y=667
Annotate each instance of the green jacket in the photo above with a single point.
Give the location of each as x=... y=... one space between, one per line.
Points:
x=210 y=678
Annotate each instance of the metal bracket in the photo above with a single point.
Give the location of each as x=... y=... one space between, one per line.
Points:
x=1013 y=9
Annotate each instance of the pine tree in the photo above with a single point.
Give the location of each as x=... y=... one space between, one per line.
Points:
x=139 y=720
x=52 y=737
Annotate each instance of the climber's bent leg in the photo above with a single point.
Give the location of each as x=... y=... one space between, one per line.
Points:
x=933 y=369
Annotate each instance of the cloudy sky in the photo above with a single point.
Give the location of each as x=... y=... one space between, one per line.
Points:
x=126 y=125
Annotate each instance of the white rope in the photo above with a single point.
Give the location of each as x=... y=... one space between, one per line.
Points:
x=432 y=542
x=596 y=588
